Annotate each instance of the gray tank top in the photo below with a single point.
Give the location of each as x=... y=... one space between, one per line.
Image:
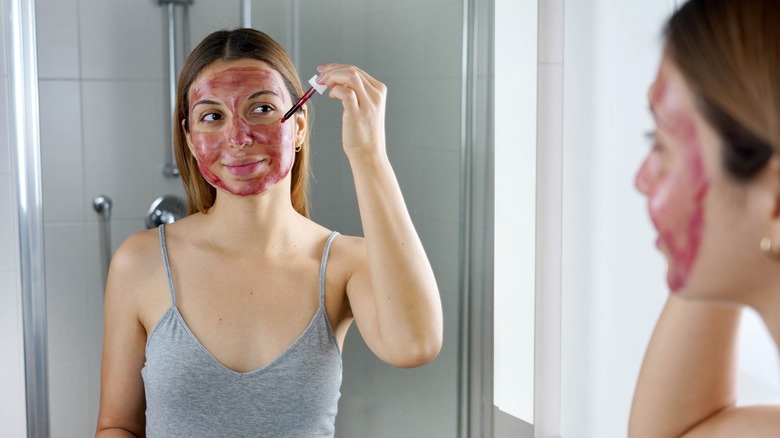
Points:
x=190 y=394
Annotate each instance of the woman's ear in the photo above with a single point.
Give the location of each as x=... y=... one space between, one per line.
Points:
x=300 y=126
x=768 y=184
x=187 y=136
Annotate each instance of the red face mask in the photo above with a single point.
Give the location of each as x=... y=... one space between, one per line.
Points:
x=235 y=130
x=673 y=178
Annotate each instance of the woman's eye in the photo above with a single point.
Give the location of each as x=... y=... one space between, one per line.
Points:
x=211 y=117
x=263 y=109
x=655 y=145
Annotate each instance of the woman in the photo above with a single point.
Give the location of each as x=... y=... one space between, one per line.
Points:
x=713 y=188
x=230 y=322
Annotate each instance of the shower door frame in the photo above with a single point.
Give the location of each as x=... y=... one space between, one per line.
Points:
x=25 y=134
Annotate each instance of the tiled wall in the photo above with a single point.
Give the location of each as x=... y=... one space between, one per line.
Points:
x=12 y=410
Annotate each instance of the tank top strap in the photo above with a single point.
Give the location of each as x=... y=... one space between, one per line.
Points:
x=164 y=250
x=323 y=264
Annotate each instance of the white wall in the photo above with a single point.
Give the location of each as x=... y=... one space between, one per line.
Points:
x=613 y=278
x=12 y=395
x=516 y=65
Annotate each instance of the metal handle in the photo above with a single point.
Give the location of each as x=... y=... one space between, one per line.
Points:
x=165 y=210
x=102 y=205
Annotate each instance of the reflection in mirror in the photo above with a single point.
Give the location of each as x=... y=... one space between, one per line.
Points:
x=113 y=141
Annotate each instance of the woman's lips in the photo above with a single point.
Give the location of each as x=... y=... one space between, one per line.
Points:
x=243 y=169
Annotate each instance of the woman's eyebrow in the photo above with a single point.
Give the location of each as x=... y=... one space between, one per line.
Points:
x=205 y=102
x=261 y=92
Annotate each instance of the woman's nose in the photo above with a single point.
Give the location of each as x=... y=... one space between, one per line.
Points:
x=645 y=176
x=240 y=134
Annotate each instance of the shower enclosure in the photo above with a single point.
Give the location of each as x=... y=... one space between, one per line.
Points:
x=103 y=81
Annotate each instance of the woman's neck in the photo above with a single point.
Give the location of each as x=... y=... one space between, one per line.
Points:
x=251 y=226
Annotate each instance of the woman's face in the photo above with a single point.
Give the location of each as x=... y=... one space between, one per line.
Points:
x=236 y=134
x=705 y=222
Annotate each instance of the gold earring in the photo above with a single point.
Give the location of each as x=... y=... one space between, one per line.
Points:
x=298 y=148
x=769 y=252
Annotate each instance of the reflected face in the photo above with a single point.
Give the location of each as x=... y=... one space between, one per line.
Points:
x=235 y=130
x=673 y=175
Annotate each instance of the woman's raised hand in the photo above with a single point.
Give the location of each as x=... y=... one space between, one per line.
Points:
x=363 y=97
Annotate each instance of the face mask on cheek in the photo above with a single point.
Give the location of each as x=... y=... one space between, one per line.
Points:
x=677 y=211
x=250 y=169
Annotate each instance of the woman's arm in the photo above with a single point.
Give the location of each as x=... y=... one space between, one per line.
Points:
x=687 y=385
x=122 y=399
x=392 y=291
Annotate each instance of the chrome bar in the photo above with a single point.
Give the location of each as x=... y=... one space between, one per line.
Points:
x=185 y=32
x=171 y=169
x=102 y=205
x=246 y=13
x=296 y=33
x=25 y=131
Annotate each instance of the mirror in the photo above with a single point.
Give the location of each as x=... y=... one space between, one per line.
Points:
x=104 y=122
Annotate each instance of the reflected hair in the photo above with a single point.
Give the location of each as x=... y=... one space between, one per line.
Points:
x=233 y=45
x=729 y=53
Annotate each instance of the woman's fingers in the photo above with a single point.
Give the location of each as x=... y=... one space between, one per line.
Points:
x=346 y=96
x=363 y=98
x=367 y=89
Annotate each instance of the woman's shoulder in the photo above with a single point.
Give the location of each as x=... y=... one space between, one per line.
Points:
x=349 y=252
x=136 y=249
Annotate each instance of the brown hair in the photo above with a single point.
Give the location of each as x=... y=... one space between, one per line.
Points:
x=231 y=45
x=729 y=53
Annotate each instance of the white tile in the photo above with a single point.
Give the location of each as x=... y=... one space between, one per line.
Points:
x=118 y=145
x=93 y=275
x=407 y=111
x=69 y=403
x=410 y=6
x=57 y=38
x=207 y=16
x=11 y=349
x=439 y=115
x=8 y=242
x=66 y=293
x=12 y=412
x=327 y=174
x=274 y=18
x=354 y=29
x=551 y=22
x=61 y=151
x=442 y=39
x=430 y=182
x=92 y=389
x=320 y=37
x=5 y=129
x=116 y=39
x=395 y=50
